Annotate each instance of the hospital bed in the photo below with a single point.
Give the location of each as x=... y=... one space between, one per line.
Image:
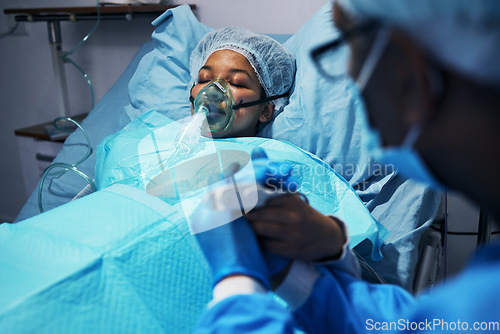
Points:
x=324 y=118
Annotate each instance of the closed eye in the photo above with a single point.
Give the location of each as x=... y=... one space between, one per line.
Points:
x=237 y=85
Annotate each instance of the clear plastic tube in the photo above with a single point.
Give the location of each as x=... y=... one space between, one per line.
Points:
x=65 y=166
x=66 y=55
x=85 y=75
x=84 y=39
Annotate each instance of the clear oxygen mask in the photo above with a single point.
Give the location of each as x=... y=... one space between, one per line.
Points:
x=216 y=101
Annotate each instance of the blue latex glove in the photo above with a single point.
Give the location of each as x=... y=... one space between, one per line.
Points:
x=233 y=249
x=274 y=174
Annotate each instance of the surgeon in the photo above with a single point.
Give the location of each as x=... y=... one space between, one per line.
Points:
x=429 y=75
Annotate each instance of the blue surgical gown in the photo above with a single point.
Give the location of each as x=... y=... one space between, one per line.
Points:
x=341 y=303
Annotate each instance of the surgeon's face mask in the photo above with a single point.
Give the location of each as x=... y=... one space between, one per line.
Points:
x=404 y=158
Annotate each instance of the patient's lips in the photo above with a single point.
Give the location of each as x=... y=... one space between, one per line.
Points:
x=216 y=114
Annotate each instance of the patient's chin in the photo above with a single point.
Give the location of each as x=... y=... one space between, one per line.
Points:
x=205 y=132
x=217 y=134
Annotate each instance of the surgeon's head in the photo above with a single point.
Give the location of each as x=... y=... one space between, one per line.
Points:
x=429 y=75
x=258 y=71
x=403 y=51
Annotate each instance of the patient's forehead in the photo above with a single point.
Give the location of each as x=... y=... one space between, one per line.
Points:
x=229 y=60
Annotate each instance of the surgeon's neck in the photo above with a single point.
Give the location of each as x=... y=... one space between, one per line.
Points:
x=462 y=145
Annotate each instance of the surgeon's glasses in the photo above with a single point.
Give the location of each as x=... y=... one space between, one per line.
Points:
x=331 y=59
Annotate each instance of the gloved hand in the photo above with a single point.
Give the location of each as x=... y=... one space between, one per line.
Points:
x=274 y=174
x=277 y=176
x=232 y=249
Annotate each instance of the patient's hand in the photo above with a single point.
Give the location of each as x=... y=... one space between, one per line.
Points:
x=290 y=227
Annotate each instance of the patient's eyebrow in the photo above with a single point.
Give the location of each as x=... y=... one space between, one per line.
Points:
x=232 y=71
x=237 y=70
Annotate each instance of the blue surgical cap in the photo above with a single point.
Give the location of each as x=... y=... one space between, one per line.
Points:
x=273 y=64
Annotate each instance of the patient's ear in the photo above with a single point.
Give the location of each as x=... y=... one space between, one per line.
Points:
x=267 y=113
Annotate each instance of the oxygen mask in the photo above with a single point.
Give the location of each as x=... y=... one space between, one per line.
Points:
x=216 y=101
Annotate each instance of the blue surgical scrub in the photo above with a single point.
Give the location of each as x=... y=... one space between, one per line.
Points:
x=341 y=303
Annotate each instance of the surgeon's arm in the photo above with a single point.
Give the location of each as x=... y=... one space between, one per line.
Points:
x=237 y=309
x=329 y=301
x=337 y=303
x=324 y=300
x=241 y=281
x=333 y=301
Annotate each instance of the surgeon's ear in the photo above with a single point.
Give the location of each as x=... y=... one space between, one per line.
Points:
x=267 y=113
x=414 y=88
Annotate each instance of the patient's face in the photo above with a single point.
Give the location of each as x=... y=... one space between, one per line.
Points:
x=245 y=86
